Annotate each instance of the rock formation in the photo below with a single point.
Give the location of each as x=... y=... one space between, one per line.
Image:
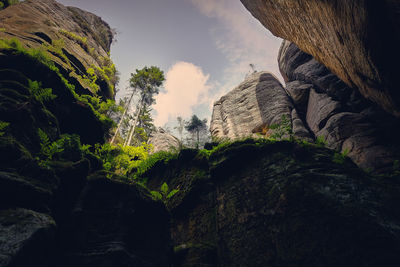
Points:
x=250 y=108
x=163 y=141
x=54 y=67
x=261 y=203
x=356 y=40
x=77 y=40
x=318 y=103
x=338 y=113
x=256 y=202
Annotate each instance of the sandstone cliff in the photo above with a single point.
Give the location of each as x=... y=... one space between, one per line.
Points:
x=356 y=40
x=256 y=202
x=318 y=103
x=250 y=108
x=75 y=39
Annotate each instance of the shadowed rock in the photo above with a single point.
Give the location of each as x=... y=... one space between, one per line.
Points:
x=339 y=113
x=356 y=40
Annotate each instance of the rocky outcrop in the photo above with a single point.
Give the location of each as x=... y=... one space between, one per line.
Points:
x=263 y=203
x=249 y=109
x=318 y=104
x=359 y=48
x=51 y=214
x=163 y=141
x=76 y=41
x=338 y=113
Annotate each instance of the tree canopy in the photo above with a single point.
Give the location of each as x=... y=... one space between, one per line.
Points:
x=195 y=126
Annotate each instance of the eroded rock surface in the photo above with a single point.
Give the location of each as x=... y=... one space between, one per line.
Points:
x=250 y=108
x=256 y=203
x=77 y=40
x=338 y=113
x=163 y=141
x=359 y=48
x=26 y=237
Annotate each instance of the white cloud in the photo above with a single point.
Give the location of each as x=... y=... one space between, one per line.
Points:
x=242 y=39
x=185 y=87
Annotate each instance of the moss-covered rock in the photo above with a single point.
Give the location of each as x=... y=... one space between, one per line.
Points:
x=281 y=204
x=116 y=224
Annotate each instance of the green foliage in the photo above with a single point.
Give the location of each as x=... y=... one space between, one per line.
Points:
x=321 y=141
x=195 y=126
x=90 y=80
x=67 y=147
x=3 y=126
x=284 y=128
x=164 y=194
x=147 y=81
x=56 y=48
x=82 y=41
x=7 y=3
x=47 y=148
x=340 y=157
x=39 y=93
x=120 y=159
x=161 y=156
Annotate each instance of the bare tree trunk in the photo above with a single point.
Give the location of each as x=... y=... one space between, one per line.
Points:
x=122 y=118
x=133 y=126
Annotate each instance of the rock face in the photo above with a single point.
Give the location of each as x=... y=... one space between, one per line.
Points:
x=359 y=49
x=318 y=103
x=51 y=213
x=25 y=237
x=77 y=40
x=257 y=203
x=251 y=107
x=163 y=141
x=338 y=113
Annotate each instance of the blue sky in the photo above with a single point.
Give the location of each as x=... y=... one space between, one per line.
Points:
x=204 y=47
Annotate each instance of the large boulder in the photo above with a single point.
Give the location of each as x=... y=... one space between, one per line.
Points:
x=356 y=40
x=249 y=109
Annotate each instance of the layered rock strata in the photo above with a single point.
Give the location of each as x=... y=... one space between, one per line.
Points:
x=249 y=109
x=318 y=104
x=354 y=39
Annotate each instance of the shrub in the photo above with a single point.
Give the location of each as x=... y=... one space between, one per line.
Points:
x=281 y=129
x=164 y=194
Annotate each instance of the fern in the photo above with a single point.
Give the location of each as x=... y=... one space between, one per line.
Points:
x=47 y=148
x=39 y=93
x=3 y=126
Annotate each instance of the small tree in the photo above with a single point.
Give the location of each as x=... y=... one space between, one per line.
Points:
x=180 y=127
x=195 y=126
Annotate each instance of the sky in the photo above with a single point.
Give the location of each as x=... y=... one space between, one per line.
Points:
x=204 y=48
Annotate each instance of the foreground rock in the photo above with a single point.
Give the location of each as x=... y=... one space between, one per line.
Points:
x=278 y=204
x=26 y=237
x=359 y=49
x=115 y=224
